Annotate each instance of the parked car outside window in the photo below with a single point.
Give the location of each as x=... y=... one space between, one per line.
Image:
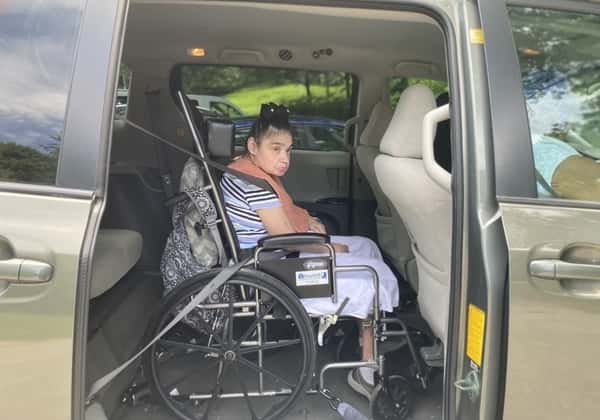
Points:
x=309 y=133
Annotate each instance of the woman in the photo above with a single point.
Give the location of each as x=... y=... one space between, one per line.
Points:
x=255 y=213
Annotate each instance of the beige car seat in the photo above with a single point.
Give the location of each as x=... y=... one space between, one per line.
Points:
x=391 y=233
x=424 y=205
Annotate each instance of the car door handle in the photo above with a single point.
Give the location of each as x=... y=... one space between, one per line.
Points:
x=24 y=271
x=553 y=269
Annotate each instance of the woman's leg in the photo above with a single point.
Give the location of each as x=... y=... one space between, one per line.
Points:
x=367 y=339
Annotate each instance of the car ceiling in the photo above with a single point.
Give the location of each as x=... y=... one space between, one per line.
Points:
x=241 y=33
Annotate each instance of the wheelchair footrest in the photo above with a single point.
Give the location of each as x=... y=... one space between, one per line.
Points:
x=433 y=356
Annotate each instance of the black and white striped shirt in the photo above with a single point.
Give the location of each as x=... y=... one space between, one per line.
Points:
x=242 y=200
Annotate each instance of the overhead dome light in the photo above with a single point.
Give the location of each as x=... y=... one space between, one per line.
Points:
x=196 y=52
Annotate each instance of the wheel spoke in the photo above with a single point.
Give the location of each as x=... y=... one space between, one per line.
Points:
x=208 y=329
x=255 y=323
x=199 y=348
x=272 y=346
x=192 y=371
x=245 y=391
x=259 y=369
x=230 y=321
x=215 y=391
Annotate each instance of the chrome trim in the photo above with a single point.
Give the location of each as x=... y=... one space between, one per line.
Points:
x=18 y=188
x=283 y=391
x=552 y=269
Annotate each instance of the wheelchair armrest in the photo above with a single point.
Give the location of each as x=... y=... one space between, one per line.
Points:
x=293 y=239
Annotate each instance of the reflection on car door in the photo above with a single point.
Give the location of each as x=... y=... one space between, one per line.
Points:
x=529 y=345
x=42 y=235
x=57 y=107
x=554 y=241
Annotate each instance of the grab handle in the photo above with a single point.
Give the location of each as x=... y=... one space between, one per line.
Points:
x=553 y=269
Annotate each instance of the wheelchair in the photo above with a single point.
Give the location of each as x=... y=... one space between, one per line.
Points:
x=253 y=338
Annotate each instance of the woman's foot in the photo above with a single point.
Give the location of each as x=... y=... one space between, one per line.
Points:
x=362 y=381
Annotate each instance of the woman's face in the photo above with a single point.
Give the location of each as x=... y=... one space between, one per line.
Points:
x=272 y=155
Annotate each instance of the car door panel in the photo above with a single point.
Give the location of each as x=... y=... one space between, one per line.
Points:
x=490 y=76
x=36 y=320
x=315 y=175
x=554 y=254
x=49 y=190
x=554 y=339
x=319 y=181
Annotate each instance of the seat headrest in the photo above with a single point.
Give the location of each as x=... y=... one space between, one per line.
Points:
x=380 y=117
x=403 y=137
x=220 y=134
x=442 y=99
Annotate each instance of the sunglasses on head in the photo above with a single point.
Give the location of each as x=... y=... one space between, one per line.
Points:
x=270 y=109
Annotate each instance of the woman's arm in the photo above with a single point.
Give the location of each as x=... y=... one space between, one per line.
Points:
x=316 y=226
x=277 y=223
x=275 y=220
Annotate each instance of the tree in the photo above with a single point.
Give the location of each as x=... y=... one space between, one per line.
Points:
x=307 y=83
x=26 y=164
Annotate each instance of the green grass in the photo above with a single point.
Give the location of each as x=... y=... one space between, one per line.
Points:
x=249 y=99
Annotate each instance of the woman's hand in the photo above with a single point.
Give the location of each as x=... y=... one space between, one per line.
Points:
x=340 y=247
x=316 y=226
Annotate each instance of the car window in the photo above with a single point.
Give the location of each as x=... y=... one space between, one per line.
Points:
x=122 y=96
x=319 y=102
x=225 y=110
x=37 y=48
x=560 y=67
x=396 y=86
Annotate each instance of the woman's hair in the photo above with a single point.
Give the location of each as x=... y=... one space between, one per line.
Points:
x=272 y=119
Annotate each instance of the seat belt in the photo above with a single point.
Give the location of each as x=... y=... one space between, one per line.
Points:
x=261 y=183
x=152 y=103
x=225 y=274
x=348 y=124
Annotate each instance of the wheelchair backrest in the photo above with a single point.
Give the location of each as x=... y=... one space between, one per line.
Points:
x=213 y=139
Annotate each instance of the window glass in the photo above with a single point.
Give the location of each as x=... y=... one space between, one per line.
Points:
x=559 y=55
x=37 y=47
x=396 y=86
x=122 y=96
x=319 y=102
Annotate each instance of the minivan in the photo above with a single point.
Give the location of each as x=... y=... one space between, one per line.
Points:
x=469 y=138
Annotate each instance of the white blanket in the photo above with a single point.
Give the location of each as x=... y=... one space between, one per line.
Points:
x=357 y=286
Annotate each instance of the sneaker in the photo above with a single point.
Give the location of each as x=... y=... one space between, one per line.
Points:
x=359 y=384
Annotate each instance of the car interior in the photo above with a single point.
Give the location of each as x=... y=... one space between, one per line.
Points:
x=379 y=185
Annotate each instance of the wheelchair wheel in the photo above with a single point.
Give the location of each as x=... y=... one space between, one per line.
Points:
x=251 y=354
x=393 y=400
